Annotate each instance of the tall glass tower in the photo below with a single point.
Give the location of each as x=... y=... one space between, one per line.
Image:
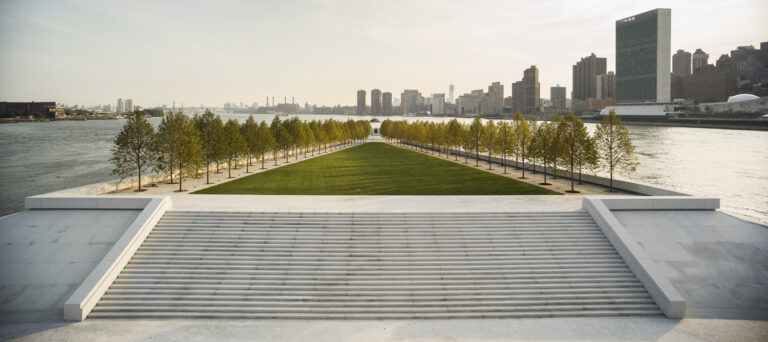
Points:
x=643 y=55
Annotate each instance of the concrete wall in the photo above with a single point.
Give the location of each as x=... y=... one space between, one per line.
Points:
x=658 y=286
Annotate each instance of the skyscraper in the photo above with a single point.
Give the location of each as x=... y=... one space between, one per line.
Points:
x=129 y=105
x=120 y=106
x=606 y=86
x=525 y=93
x=557 y=96
x=409 y=101
x=360 y=102
x=531 y=96
x=375 y=102
x=386 y=103
x=681 y=63
x=642 y=57
x=438 y=104
x=585 y=72
x=700 y=60
x=450 y=93
x=493 y=101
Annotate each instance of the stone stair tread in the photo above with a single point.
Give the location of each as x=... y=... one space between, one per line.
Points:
x=216 y=264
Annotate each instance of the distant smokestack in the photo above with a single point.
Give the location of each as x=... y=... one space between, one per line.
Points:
x=267 y=101
x=292 y=100
x=273 y=101
x=285 y=99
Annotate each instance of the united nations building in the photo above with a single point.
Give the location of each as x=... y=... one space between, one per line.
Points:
x=642 y=57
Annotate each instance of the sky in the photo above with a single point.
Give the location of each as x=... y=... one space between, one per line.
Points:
x=322 y=52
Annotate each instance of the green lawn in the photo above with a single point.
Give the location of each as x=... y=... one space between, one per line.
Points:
x=376 y=169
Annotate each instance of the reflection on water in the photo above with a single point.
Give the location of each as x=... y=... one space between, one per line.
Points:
x=37 y=158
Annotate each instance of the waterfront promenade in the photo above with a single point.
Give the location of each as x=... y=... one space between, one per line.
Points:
x=715 y=261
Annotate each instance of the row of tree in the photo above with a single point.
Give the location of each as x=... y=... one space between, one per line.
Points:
x=562 y=141
x=184 y=145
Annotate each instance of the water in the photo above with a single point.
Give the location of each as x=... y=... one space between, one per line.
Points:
x=36 y=158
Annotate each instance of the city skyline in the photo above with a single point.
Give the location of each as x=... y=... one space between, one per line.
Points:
x=162 y=52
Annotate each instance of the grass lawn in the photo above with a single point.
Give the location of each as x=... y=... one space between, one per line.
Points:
x=376 y=169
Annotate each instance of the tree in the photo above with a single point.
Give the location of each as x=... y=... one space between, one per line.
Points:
x=264 y=140
x=573 y=134
x=614 y=146
x=454 y=135
x=505 y=142
x=542 y=147
x=466 y=142
x=209 y=126
x=556 y=143
x=488 y=140
x=475 y=132
x=167 y=142
x=533 y=124
x=249 y=131
x=274 y=129
x=522 y=139
x=234 y=144
x=133 y=150
x=178 y=146
x=188 y=152
x=587 y=156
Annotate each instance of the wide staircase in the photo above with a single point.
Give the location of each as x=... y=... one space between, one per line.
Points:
x=375 y=265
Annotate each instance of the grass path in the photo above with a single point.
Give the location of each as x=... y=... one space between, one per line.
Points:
x=376 y=169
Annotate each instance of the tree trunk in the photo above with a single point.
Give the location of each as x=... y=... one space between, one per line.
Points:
x=572 y=190
x=139 y=178
x=229 y=169
x=207 y=173
x=610 y=188
x=524 y=165
x=181 y=176
x=504 y=162
x=490 y=158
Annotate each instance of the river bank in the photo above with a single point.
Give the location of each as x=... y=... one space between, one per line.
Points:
x=740 y=124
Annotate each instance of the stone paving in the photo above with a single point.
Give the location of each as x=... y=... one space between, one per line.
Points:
x=544 y=329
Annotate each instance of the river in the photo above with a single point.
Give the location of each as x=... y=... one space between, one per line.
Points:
x=36 y=158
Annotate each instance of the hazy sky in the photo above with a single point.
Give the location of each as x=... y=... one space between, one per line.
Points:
x=92 y=52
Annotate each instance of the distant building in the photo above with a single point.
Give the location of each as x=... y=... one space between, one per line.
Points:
x=700 y=60
x=375 y=102
x=525 y=93
x=605 y=86
x=469 y=103
x=681 y=63
x=709 y=84
x=642 y=57
x=121 y=106
x=287 y=107
x=493 y=101
x=450 y=93
x=360 y=102
x=386 y=103
x=40 y=110
x=438 y=104
x=410 y=100
x=129 y=105
x=557 y=96
x=584 y=76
